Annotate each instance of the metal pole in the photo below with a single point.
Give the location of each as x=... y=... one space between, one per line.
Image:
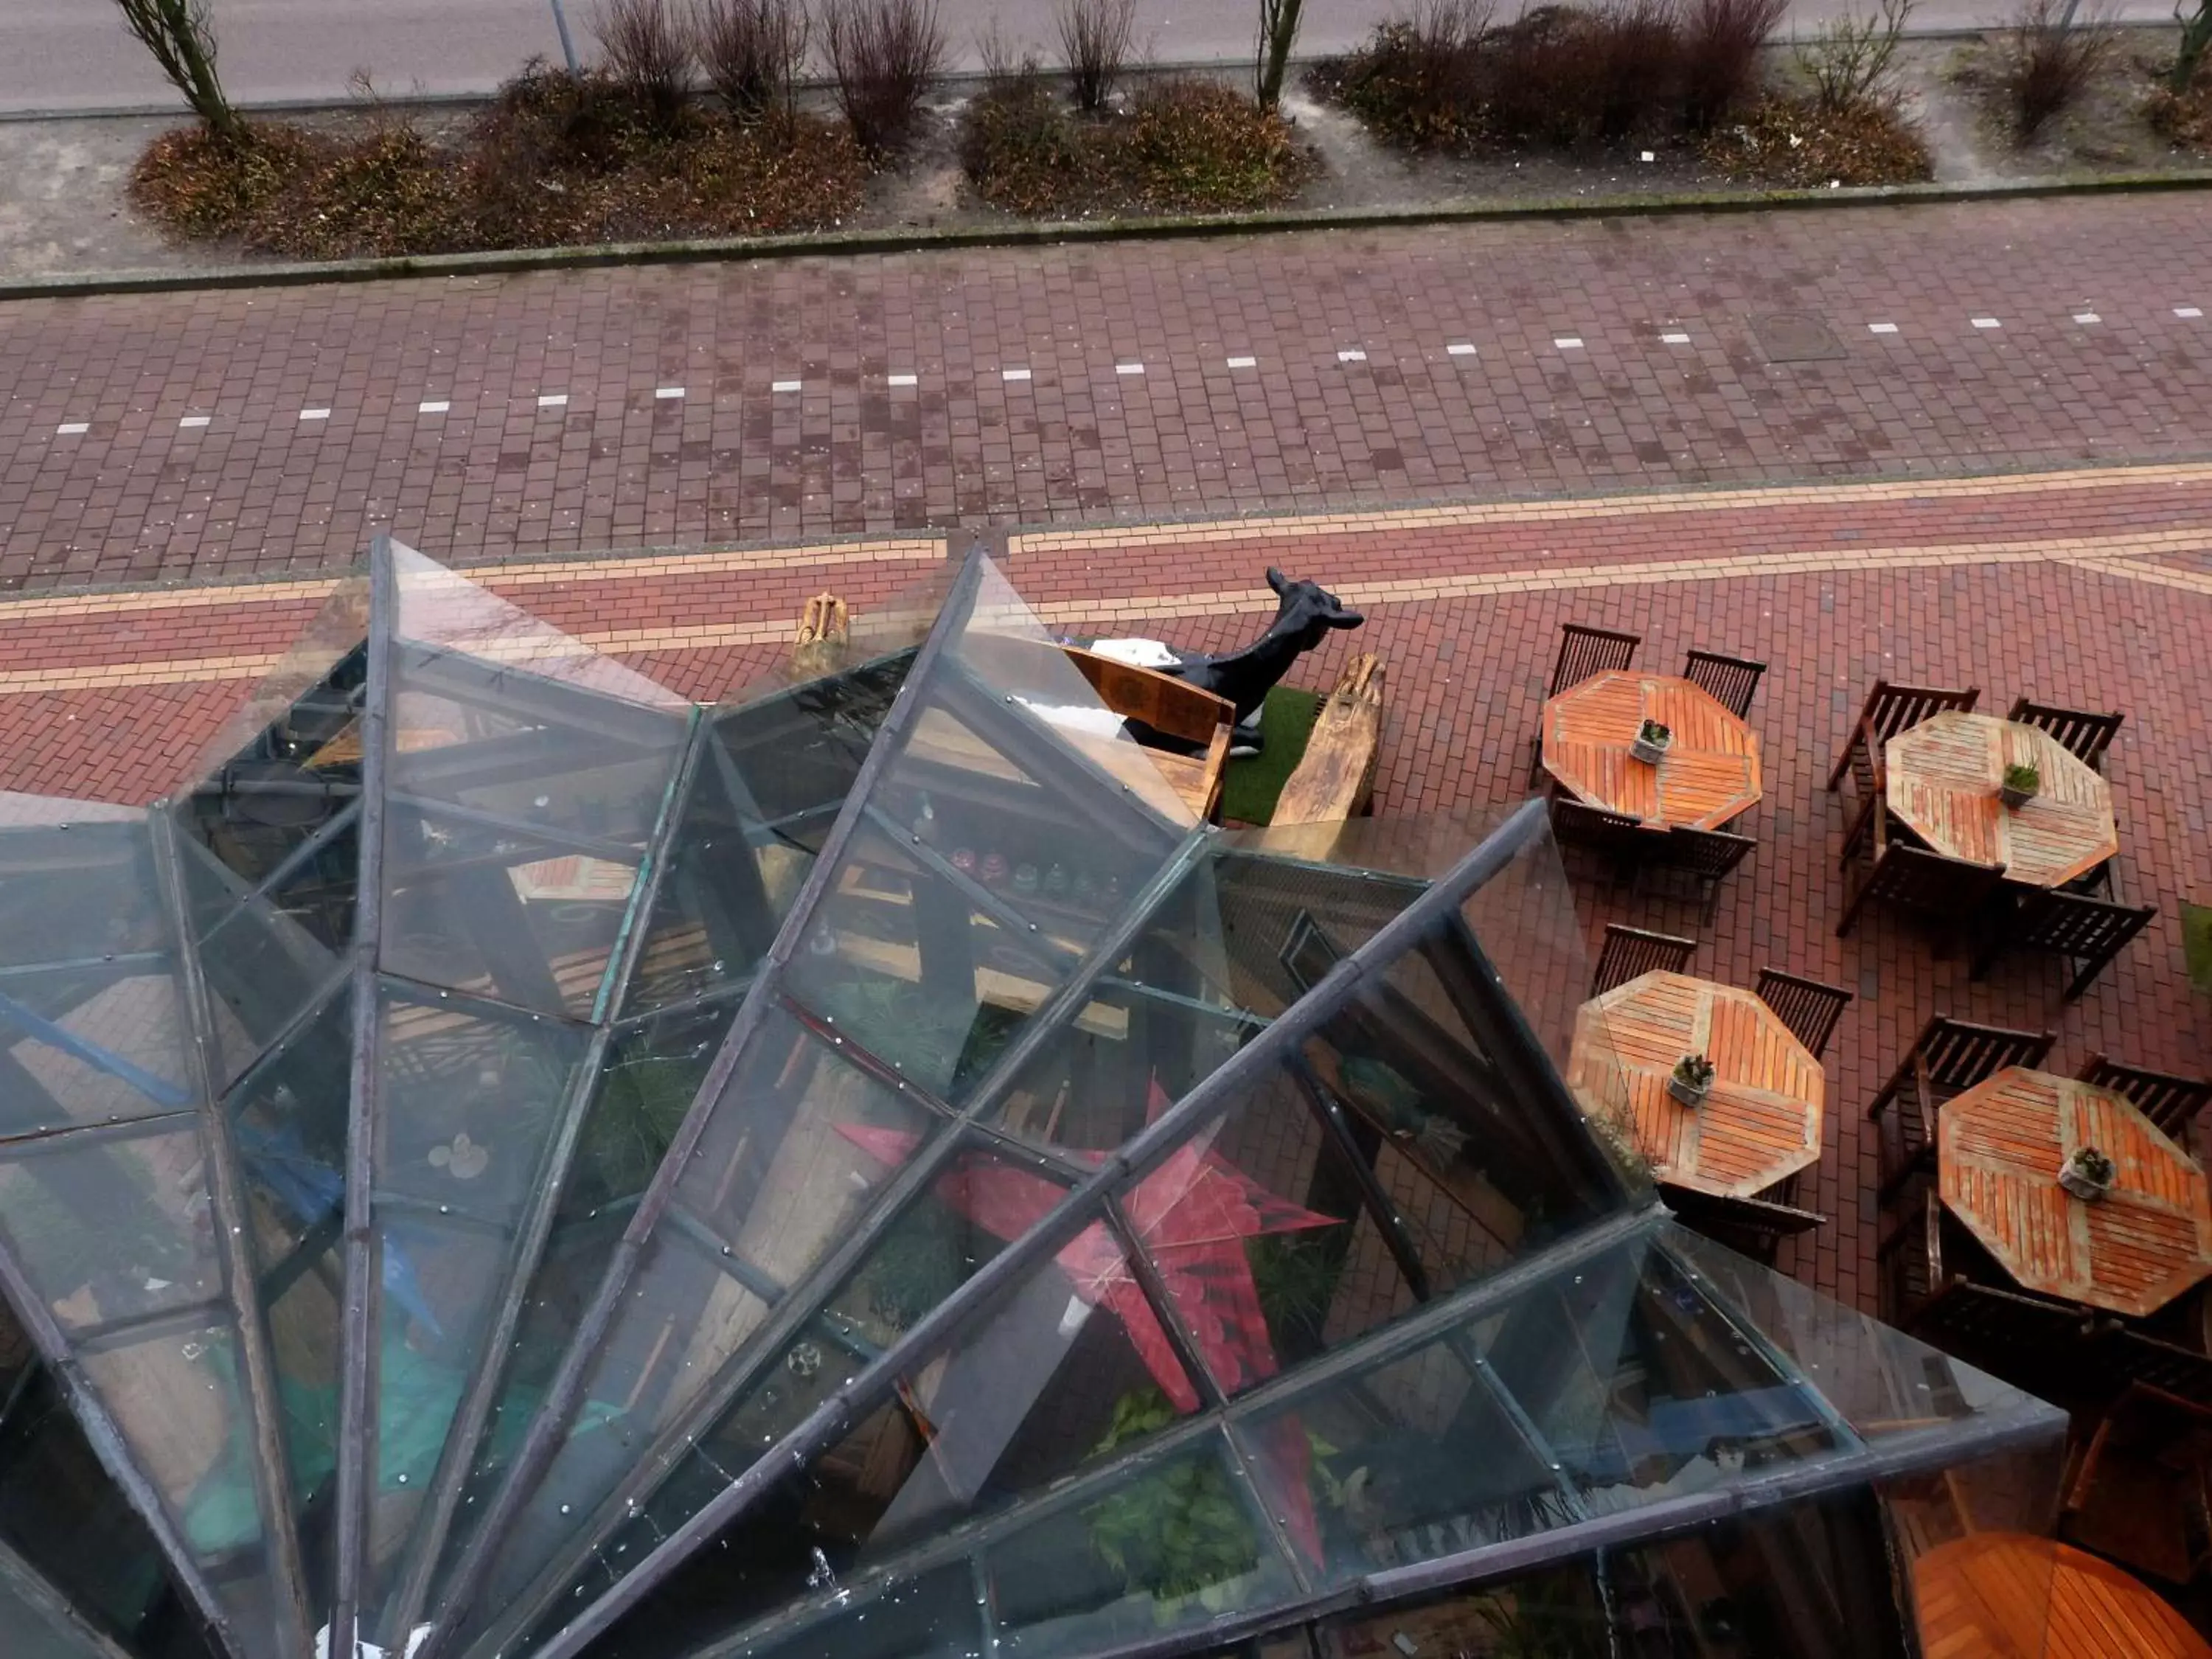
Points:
x=567 y=46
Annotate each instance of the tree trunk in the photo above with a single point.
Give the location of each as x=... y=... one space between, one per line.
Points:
x=1279 y=31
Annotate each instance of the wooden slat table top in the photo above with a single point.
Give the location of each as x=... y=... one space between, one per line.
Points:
x=2008 y=1595
x=1999 y=1146
x=1943 y=778
x=1711 y=773
x=1761 y=1122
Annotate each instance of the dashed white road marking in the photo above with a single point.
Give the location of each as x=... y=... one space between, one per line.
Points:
x=2086 y=318
x=2188 y=312
x=1013 y=374
x=1881 y=328
x=1674 y=340
x=783 y=385
x=664 y=392
x=902 y=380
x=196 y=420
x=1351 y=354
x=1987 y=322
x=1568 y=342
x=1459 y=348
x=314 y=414
x=433 y=406
x=552 y=400
x=1243 y=363
x=1129 y=368
x=72 y=428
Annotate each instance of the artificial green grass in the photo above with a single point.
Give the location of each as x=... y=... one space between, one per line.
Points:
x=1255 y=783
x=2195 y=942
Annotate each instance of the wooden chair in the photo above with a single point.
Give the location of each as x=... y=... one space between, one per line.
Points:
x=2171 y=1103
x=1808 y=1007
x=1630 y=953
x=1186 y=728
x=1615 y=839
x=1949 y=1057
x=2083 y=931
x=1732 y=681
x=1898 y=873
x=2126 y=1353
x=1750 y=1226
x=1699 y=858
x=2139 y=1486
x=1889 y=710
x=1936 y=1283
x=1583 y=651
x=2084 y=735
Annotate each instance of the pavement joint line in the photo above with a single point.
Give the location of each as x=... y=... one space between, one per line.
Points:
x=2121 y=555
x=433 y=406
x=1881 y=328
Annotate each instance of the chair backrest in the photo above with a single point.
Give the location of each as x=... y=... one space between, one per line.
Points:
x=1710 y=853
x=1915 y=877
x=2172 y=1103
x=1957 y=1053
x=1808 y=1007
x=2083 y=733
x=1587 y=651
x=2182 y=1373
x=1574 y=822
x=1630 y=953
x=2077 y=925
x=1731 y=680
x=1891 y=709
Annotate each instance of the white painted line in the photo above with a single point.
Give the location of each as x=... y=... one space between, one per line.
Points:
x=1881 y=328
x=1129 y=368
x=1987 y=322
x=314 y=414
x=1354 y=356
x=552 y=400
x=1013 y=374
x=905 y=379
x=668 y=391
x=2190 y=311
x=1243 y=363
x=72 y=428
x=783 y=385
x=1673 y=339
x=2085 y=317
x=195 y=419
x=435 y=406
x=1459 y=348
x=1568 y=342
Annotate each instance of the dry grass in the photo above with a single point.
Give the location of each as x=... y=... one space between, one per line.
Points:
x=556 y=161
x=1182 y=146
x=1795 y=144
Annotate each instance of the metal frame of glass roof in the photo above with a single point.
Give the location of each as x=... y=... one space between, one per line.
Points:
x=753 y=1009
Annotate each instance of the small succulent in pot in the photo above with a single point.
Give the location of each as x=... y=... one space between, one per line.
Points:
x=1693 y=1077
x=2019 y=786
x=2087 y=1173
x=1650 y=742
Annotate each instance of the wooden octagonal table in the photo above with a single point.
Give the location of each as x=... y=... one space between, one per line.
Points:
x=1761 y=1120
x=2009 y=1595
x=1943 y=778
x=1999 y=1147
x=1708 y=775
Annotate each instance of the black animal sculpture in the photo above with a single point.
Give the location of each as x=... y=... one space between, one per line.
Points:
x=1304 y=613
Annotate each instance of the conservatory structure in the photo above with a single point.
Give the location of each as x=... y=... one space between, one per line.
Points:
x=511 y=1164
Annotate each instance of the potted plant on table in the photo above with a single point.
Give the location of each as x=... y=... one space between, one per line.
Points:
x=2019 y=787
x=1650 y=742
x=1691 y=1080
x=2087 y=1173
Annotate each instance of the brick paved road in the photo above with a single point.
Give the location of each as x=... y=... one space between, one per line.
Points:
x=521 y=415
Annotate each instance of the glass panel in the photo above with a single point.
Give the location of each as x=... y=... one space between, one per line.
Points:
x=1176 y=1542
x=770 y=783
x=267 y=957
x=61 y=1512
x=1413 y=1458
x=37 y=1624
x=1879 y=1380
x=307 y=701
x=1811 y=1578
x=112 y=1230
x=1557 y=1614
x=933 y=1616
x=1972 y=1540
x=177 y=1400
x=1641 y=1386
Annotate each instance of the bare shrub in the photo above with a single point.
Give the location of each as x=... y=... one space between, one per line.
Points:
x=180 y=33
x=1635 y=56
x=1095 y=37
x=1419 y=80
x=883 y=55
x=1546 y=69
x=647 y=57
x=2049 y=61
x=752 y=52
x=1848 y=60
x=1720 y=48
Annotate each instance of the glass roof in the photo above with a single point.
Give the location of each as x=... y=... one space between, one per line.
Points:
x=510 y=1162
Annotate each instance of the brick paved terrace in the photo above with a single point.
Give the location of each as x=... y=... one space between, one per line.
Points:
x=2089 y=587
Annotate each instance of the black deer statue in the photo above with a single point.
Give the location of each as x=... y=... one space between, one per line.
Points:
x=1304 y=613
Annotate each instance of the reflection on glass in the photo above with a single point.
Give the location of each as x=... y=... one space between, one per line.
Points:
x=1559 y=1613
